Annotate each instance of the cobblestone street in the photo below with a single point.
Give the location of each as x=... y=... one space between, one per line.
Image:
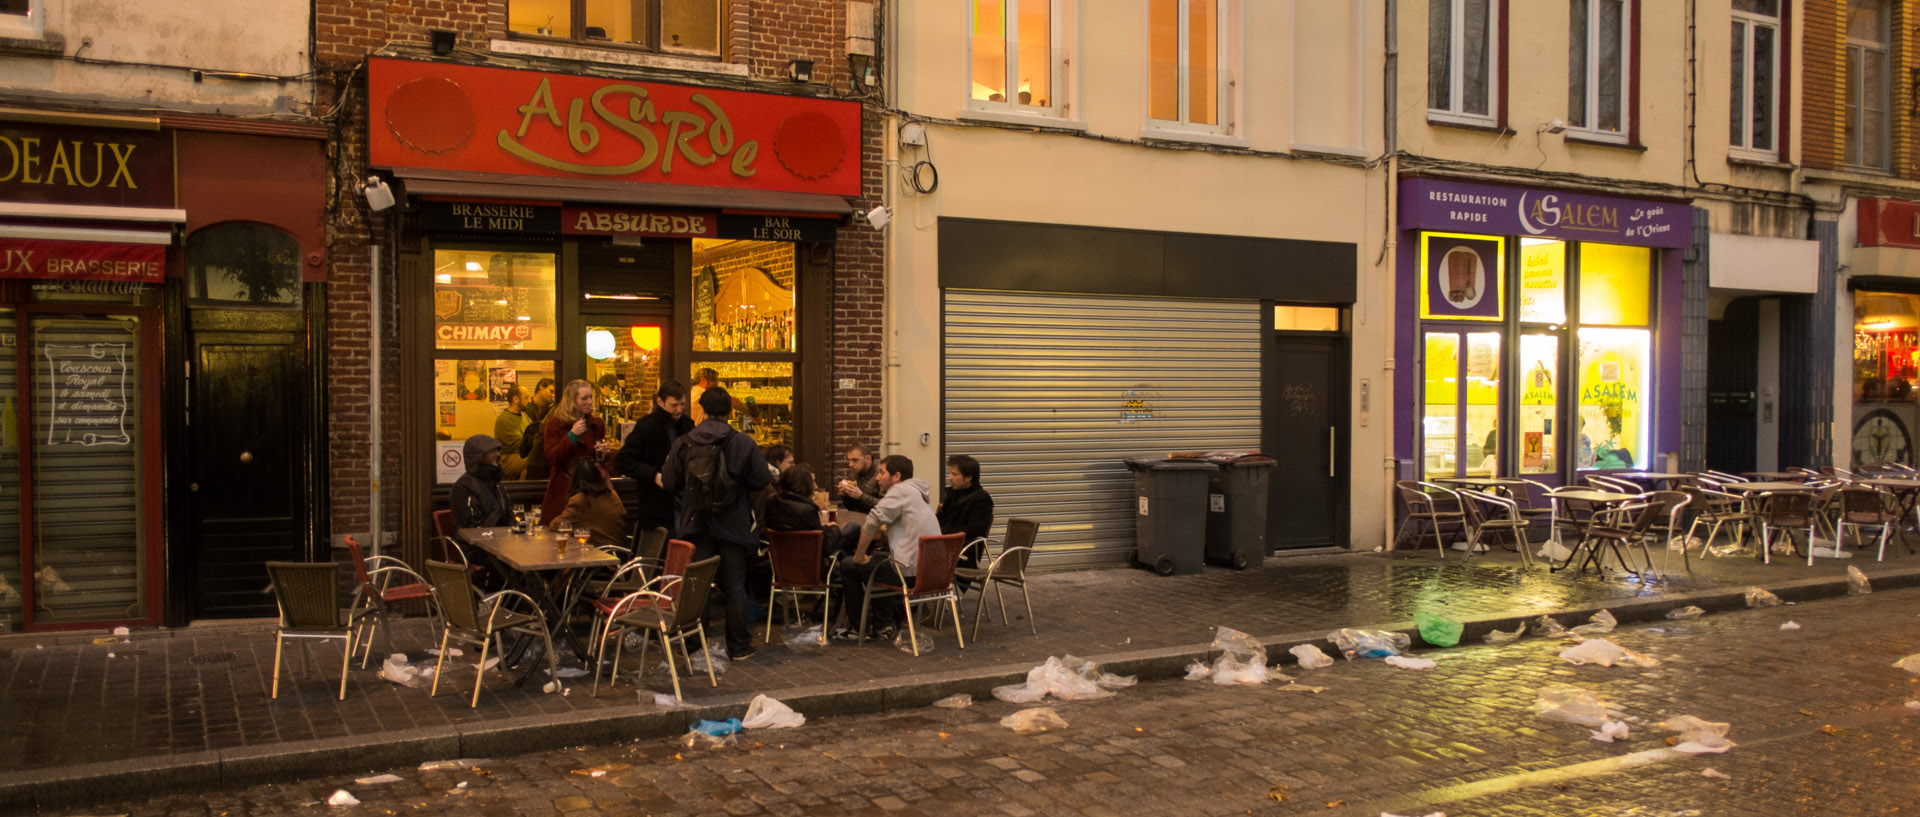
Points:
x=1818 y=714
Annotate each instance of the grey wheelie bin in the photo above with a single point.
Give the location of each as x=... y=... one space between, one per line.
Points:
x=1237 y=508
x=1170 y=507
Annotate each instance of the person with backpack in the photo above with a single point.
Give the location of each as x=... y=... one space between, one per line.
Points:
x=716 y=472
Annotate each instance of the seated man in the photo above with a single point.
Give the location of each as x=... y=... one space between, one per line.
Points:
x=904 y=513
x=968 y=509
x=478 y=500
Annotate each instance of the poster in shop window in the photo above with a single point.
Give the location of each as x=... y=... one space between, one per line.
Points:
x=88 y=389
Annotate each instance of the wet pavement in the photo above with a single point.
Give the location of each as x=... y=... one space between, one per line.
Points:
x=1818 y=716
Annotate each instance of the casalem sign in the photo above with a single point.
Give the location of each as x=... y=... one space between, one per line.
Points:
x=438 y=116
x=82 y=260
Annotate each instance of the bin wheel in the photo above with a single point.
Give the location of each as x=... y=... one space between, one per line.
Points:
x=1239 y=561
x=1163 y=565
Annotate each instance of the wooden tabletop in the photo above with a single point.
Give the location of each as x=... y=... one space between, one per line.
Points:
x=1590 y=495
x=1891 y=483
x=1481 y=480
x=528 y=552
x=1776 y=476
x=1756 y=487
x=1649 y=476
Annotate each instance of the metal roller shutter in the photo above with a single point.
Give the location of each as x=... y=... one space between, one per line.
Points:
x=1037 y=388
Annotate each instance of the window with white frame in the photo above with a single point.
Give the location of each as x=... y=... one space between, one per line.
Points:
x=1868 y=82
x=681 y=27
x=1016 y=55
x=23 y=18
x=1755 y=62
x=1188 y=81
x=1462 y=56
x=1598 y=54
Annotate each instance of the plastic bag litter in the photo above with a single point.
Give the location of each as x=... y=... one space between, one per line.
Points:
x=814 y=636
x=1554 y=551
x=1405 y=662
x=1728 y=549
x=711 y=734
x=376 y=780
x=1310 y=656
x=341 y=799
x=1757 y=597
x=1857 y=583
x=1910 y=663
x=903 y=641
x=1715 y=774
x=1369 y=643
x=1037 y=719
x=716 y=728
x=1197 y=671
x=1242 y=659
x=1605 y=653
x=1791 y=625
x=449 y=765
x=766 y=713
x=1686 y=612
x=715 y=656
x=571 y=672
x=1549 y=628
x=1611 y=731
x=960 y=701
x=665 y=701
x=397 y=670
x=452 y=652
x=1601 y=623
x=1068 y=678
x=1502 y=637
x=1913 y=704
x=1438 y=630
x=1698 y=737
x=1567 y=704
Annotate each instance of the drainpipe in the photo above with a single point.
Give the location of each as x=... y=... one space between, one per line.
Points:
x=374 y=539
x=889 y=139
x=1389 y=257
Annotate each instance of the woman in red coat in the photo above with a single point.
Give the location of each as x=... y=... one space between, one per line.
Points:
x=571 y=432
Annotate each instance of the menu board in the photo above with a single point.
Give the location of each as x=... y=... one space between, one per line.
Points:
x=88 y=388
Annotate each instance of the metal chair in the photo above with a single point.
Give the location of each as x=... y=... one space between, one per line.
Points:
x=311 y=607
x=932 y=582
x=480 y=622
x=675 y=612
x=632 y=577
x=1009 y=567
x=1422 y=511
x=796 y=558
x=1488 y=512
x=1667 y=530
x=1619 y=528
x=1723 y=477
x=381 y=592
x=1785 y=511
x=1716 y=509
x=1614 y=484
x=1863 y=506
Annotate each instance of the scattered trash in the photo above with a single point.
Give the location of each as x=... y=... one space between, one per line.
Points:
x=1790 y=626
x=1438 y=630
x=665 y=701
x=397 y=670
x=1611 y=731
x=1729 y=549
x=452 y=652
x=341 y=799
x=1686 y=612
x=1242 y=659
x=715 y=657
x=1310 y=656
x=602 y=770
x=1554 y=551
x=1067 y=678
x=903 y=642
x=104 y=640
x=1698 y=737
x=571 y=672
x=1857 y=584
x=1549 y=628
x=1715 y=774
x=1605 y=653
x=1403 y=662
x=1502 y=637
x=766 y=713
x=814 y=636
x=109 y=656
x=1037 y=719
x=1369 y=643
x=376 y=780
x=960 y=701
x=1601 y=623
x=1910 y=663
x=1757 y=597
x=1830 y=552
x=123 y=633
x=492 y=662
x=1199 y=671
x=448 y=765
x=551 y=687
x=1573 y=705
x=1913 y=704
x=712 y=734
x=716 y=728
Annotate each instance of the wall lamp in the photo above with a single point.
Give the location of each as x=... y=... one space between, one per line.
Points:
x=443 y=41
x=800 y=70
x=1553 y=126
x=379 y=195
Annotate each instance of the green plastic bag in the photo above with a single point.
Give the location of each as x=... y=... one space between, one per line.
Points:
x=1439 y=631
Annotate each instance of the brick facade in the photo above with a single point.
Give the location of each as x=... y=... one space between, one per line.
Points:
x=761 y=34
x=1823 y=67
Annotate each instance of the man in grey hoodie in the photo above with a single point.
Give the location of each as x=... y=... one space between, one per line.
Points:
x=905 y=513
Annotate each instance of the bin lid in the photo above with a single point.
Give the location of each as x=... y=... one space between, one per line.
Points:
x=1238 y=458
x=1162 y=464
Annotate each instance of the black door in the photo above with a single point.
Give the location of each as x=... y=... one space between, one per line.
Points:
x=243 y=426
x=1732 y=378
x=1306 y=431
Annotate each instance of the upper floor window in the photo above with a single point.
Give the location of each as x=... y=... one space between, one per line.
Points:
x=244 y=262
x=1868 y=81
x=1187 y=77
x=1017 y=58
x=22 y=18
x=1462 y=56
x=688 y=27
x=1755 y=60
x=1597 y=60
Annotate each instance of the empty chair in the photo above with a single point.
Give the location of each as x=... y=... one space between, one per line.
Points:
x=1008 y=568
x=796 y=559
x=479 y=622
x=674 y=612
x=1716 y=509
x=380 y=591
x=1667 y=528
x=1619 y=528
x=1863 y=506
x=1614 y=484
x=1723 y=477
x=1424 y=512
x=1786 y=512
x=1487 y=513
x=932 y=583
x=311 y=607
x=633 y=576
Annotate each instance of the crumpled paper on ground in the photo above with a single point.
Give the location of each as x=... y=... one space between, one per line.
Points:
x=1791 y=625
x=1310 y=656
x=342 y=799
x=1037 y=719
x=1611 y=731
x=1502 y=637
x=1698 y=737
x=1601 y=623
x=1605 y=653
x=766 y=713
x=397 y=670
x=1857 y=583
x=1757 y=597
x=960 y=701
x=1568 y=704
x=1910 y=663
x=1686 y=612
x=1407 y=662
x=1068 y=678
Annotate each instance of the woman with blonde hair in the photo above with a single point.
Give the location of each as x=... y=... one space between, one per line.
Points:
x=570 y=433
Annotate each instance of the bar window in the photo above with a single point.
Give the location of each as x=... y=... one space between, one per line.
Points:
x=479 y=396
x=1613 y=388
x=489 y=299
x=743 y=298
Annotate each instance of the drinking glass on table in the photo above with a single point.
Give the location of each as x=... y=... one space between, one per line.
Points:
x=563 y=531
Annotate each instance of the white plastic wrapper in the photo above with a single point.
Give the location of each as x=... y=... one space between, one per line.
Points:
x=1910 y=663
x=1068 y=678
x=342 y=799
x=1310 y=656
x=1611 y=731
x=1406 y=662
x=960 y=701
x=1757 y=597
x=1605 y=653
x=1037 y=719
x=1699 y=737
x=766 y=713
x=1574 y=705
x=1687 y=612
x=1503 y=637
x=1601 y=623
x=1791 y=625
x=1857 y=583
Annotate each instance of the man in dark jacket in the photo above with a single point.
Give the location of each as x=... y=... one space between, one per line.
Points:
x=645 y=450
x=861 y=492
x=531 y=442
x=727 y=533
x=968 y=508
x=478 y=500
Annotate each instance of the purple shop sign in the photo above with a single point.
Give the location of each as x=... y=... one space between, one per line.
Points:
x=1488 y=209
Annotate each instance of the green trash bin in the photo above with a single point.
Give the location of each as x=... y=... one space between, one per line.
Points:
x=1169 y=516
x=1237 y=508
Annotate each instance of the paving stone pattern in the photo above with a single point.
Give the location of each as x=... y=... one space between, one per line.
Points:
x=1817 y=714
x=69 y=701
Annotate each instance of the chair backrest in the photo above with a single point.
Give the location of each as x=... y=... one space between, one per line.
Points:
x=308 y=593
x=1673 y=501
x=1412 y=497
x=795 y=557
x=650 y=543
x=679 y=555
x=359 y=560
x=691 y=591
x=1017 y=548
x=1791 y=507
x=933 y=571
x=1861 y=502
x=443 y=524
x=455 y=594
x=1481 y=507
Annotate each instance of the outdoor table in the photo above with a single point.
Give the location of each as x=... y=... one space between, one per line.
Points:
x=1660 y=480
x=1750 y=488
x=1906 y=496
x=1582 y=504
x=527 y=555
x=1776 y=476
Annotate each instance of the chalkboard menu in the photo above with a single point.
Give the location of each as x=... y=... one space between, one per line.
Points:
x=88 y=388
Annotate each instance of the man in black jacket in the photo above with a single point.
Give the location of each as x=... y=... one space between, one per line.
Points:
x=860 y=493
x=477 y=499
x=727 y=533
x=968 y=508
x=645 y=450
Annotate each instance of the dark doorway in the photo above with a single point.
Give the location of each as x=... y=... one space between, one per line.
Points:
x=1732 y=379
x=1306 y=431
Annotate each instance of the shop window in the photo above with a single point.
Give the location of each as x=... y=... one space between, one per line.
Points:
x=762 y=395
x=1463 y=277
x=686 y=27
x=479 y=396
x=1188 y=76
x=1598 y=56
x=1886 y=346
x=488 y=299
x=244 y=263
x=1755 y=92
x=1868 y=83
x=1462 y=59
x=1306 y=318
x=1460 y=423
x=743 y=296
x=1613 y=414
x=1539 y=404
x=1543 y=281
x=623 y=363
x=1017 y=59
x=1615 y=285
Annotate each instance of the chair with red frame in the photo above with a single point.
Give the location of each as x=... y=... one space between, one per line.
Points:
x=378 y=573
x=932 y=582
x=632 y=578
x=797 y=561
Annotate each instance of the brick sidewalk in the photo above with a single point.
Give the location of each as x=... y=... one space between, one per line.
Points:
x=199 y=695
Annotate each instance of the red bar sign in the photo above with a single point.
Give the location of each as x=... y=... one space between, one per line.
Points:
x=82 y=260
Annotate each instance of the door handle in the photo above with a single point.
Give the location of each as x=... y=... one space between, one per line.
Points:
x=1333 y=439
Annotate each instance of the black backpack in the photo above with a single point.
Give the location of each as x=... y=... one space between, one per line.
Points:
x=710 y=487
